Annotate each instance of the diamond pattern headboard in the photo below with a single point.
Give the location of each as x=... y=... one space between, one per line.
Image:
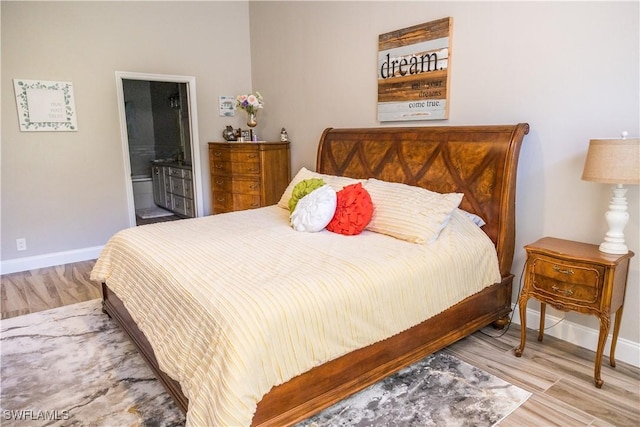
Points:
x=480 y=161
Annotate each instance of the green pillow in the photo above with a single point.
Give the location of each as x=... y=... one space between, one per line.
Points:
x=303 y=188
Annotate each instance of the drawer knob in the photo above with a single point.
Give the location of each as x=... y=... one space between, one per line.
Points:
x=562 y=270
x=567 y=292
x=217 y=153
x=219 y=166
x=219 y=182
x=253 y=169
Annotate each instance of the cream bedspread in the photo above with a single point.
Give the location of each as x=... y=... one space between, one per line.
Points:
x=235 y=304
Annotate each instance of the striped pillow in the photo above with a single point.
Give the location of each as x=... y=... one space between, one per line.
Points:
x=409 y=213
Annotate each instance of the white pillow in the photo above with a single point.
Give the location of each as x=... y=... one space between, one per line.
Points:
x=336 y=182
x=409 y=213
x=314 y=211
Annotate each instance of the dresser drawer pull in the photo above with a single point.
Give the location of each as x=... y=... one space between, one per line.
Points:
x=253 y=186
x=252 y=156
x=219 y=166
x=220 y=199
x=567 y=292
x=255 y=205
x=217 y=153
x=219 y=182
x=563 y=270
x=253 y=169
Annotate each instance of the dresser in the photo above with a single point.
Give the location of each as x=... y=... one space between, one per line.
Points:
x=247 y=175
x=173 y=188
x=575 y=276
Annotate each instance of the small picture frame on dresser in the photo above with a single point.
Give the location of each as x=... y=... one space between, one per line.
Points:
x=246 y=135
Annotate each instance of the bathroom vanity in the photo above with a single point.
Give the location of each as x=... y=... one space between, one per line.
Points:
x=173 y=187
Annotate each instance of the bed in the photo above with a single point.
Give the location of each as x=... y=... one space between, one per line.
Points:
x=478 y=161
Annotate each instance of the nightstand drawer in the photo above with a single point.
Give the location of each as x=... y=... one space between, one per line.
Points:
x=572 y=282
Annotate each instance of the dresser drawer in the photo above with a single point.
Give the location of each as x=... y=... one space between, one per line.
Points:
x=235 y=185
x=570 y=282
x=235 y=168
x=236 y=155
x=229 y=202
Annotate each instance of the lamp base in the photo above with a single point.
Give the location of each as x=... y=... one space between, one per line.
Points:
x=613 y=248
x=617 y=218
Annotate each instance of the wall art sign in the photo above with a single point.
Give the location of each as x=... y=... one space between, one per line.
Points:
x=45 y=105
x=414 y=65
x=227 y=106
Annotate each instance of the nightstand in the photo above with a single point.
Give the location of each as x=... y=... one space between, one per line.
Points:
x=574 y=276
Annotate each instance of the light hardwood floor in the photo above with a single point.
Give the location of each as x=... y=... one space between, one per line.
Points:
x=559 y=374
x=45 y=288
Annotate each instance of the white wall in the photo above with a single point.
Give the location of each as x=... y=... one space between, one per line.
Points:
x=65 y=191
x=569 y=69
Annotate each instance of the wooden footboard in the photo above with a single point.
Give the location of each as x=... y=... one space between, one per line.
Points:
x=321 y=387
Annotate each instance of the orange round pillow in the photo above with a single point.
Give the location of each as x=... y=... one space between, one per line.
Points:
x=354 y=210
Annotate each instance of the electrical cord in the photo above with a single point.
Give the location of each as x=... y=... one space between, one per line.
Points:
x=506 y=329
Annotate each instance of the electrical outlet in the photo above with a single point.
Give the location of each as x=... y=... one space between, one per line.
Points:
x=21 y=244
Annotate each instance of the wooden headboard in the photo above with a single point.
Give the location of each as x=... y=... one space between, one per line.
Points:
x=479 y=161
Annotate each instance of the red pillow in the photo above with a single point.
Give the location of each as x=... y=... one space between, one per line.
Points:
x=353 y=210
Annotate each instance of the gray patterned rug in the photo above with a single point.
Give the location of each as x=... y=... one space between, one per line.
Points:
x=73 y=366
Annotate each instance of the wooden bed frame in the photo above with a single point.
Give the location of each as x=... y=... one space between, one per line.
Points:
x=480 y=161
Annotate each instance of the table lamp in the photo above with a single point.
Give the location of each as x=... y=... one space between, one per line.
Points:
x=614 y=161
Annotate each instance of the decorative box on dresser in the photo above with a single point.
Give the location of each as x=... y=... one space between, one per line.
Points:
x=574 y=276
x=247 y=175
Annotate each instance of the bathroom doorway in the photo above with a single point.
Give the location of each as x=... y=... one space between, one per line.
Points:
x=160 y=146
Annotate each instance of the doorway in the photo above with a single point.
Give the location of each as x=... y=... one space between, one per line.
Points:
x=158 y=124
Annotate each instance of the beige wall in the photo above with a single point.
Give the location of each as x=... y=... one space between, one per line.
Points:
x=66 y=191
x=571 y=70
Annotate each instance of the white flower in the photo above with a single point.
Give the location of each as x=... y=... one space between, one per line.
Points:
x=250 y=103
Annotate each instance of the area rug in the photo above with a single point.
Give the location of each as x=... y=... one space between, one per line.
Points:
x=74 y=366
x=153 y=212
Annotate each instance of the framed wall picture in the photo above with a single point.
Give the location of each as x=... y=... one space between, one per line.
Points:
x=227 y=104
x=414 y=67
x=246 y=135
x=45 y=105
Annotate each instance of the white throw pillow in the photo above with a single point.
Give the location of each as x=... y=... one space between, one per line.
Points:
x=314 y=211
x=336 y=182
x=409 y=213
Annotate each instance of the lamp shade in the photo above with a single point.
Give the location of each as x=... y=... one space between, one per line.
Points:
x=613 y=161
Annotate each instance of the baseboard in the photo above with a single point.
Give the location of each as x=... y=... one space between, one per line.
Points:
x=49 y=260
x=626 y=351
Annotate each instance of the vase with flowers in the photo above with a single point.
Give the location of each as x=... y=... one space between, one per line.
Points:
x=250 y=103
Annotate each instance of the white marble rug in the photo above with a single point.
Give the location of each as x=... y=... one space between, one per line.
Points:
x=73 y=366
x=153 y=212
